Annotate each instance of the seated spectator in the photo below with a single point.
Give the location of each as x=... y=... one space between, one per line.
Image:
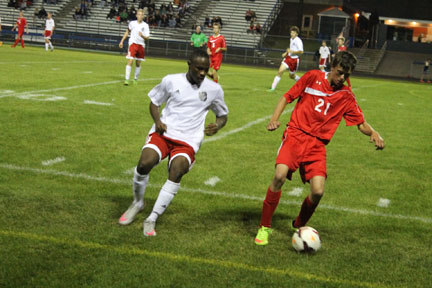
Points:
x=219 y=20
x=207 y=21
x=258 y=28
x=171 y=21
x=23 y=5
x=36 y=13
x=248 y=15
x=157 y=17
x=42 y=13
x=112 y=12
x=124 y=16
x=178 y=21
x=77 y=15
x=251 y=28
x=132 y=13
x=164 y=21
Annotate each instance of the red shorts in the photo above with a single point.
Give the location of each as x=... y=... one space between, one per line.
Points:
x=47 y=34
x=216 y=61
x=291 y=63
x=20 y=33
x=136 y=52
x=300 y=150
x=323 y=61
x=165 y=146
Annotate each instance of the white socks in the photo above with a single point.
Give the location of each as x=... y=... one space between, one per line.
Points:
x=139 y=186
x=48 y=45
x=128 y=71
x=275 y=82
x=137 y=72
x=167 y=193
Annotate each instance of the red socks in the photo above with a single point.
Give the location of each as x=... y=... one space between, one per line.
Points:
x=306 y=211
x=269 y=206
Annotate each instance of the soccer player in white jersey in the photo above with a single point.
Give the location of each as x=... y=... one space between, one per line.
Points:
x=324 y=52
x=291 y=58
x=139 y=31
x=177 y=133
x=49 y=30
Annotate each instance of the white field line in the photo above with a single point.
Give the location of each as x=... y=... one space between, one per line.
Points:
x=296 y=191
x=97 y=103
x=383 y=202
x=247 y=125
x=53 y=161
x=215 y=193
x=54 y=62
x=13 y=93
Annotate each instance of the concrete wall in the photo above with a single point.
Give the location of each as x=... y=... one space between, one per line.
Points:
x=402 y=64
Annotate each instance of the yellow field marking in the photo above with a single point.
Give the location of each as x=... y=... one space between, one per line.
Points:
x=188 y=259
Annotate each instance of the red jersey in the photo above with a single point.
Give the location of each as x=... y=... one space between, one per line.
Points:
x=215 y=42
x=21 y=23
x=342 y=48
x=320 y=109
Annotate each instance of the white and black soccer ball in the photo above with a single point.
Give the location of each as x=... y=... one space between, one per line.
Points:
x=306 y=239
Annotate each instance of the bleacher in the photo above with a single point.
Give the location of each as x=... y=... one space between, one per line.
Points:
x=233 y=19
x=10 y=14
x=97 y=23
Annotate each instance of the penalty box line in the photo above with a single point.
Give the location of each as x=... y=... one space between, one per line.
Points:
x=214 y=193
x=132 y=250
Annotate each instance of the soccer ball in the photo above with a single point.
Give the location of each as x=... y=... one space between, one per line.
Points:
x=306 y=239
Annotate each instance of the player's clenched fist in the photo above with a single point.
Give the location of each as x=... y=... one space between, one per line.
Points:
x=273 y=125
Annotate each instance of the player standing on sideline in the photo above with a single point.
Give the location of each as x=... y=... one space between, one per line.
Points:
x=1 y=43
x=426 y=71
x=324 y=52
x=139 y=31
x=49 y=30
x=177 y=133
x=215 y=46
x=341 y=47
x=291 y=58
x=323 y=101
x=21 y=23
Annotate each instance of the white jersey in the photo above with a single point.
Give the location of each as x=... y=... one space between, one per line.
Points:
x=296 y=44
x=324 y=52
x=187 y=106
x=49 y=24
x=135 y=28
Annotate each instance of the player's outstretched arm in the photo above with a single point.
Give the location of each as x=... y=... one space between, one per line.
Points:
x=213 y=128
x=274 y=121
x=155 y=113
x=367 y=129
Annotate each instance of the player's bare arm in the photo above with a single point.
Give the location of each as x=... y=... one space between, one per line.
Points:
x=213 y=128
x=274 y=121
x=221 y=49
x=367 y=129
x=209 y=52
x=125 y=35
x=26 y=27
x=155 y=113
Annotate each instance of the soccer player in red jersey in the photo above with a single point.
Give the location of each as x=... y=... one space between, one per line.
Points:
x=341 y=47
x=215 y=46
x=21 y=23
x=323 y=100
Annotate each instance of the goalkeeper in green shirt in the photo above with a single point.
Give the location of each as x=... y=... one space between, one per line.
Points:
x=198 y=39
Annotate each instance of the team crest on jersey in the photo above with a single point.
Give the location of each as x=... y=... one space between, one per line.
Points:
x=202 y=95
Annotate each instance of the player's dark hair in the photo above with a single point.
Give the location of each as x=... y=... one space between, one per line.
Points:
x=346 y=60
x=296 y=29
x=198 y=54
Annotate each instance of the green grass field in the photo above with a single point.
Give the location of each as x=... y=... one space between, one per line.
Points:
x=59 y=222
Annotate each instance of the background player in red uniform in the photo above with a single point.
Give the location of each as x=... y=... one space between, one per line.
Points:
x=21 y=23
x=323 y=101
x=341 y=47
x=215 y=46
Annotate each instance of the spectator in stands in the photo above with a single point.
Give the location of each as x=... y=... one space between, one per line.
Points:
x=258 y=28
x=207 y=21
x=178 y=21
x=219 y=20
x=132 y=13
x=426 y=72
x=23 y=5
x=213 y=20
x=164 y=21
x=171 y=21
x=42 y=13
x=102 y=4
x=251 y=28
x=157 y=17
x=77 y=15
x=124 y=16
x=248 y=15
x=112 y=13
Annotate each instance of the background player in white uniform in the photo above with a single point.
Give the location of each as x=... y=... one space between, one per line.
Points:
x=177 y=133
x=324 y=52
x=291 y=58
x=139 y=31
x=49 y=30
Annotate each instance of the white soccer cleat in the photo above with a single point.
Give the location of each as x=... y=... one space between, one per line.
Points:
x=130 y=214
x=149 y=228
